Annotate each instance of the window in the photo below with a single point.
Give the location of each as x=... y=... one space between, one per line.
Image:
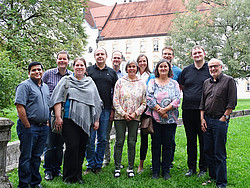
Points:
x=156 y=45
x=128 y=48
x=143 y=47
x=115 y=47
x=248 y=86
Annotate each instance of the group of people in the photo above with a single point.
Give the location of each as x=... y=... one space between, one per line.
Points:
x=96 y=96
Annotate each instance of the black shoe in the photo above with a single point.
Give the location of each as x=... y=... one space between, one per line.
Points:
x=221 y=186
x=190 y=173
x=201 y=174
x=37 y=186
x=166 y=176
x=98 y=170
x=48 y=176
x=80 y=182
x=171 y=165
x=155 y=175
x=59 y=174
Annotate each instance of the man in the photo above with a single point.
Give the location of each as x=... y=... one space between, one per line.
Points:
x=53 y=152
x=168 y=54
x=191 y=81
x=105 y=79
x=32 y=104
x=219 y=98
x=116 y=63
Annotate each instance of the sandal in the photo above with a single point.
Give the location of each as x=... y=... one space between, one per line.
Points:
x=131 y=173
x=117 y=173
x=208 y=182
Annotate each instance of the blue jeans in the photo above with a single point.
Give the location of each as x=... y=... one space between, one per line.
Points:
x=53 y=153
x=162 y=144
x=32 y=143
x=215 y=149
x=95 y=154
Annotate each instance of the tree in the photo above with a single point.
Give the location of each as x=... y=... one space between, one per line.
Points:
x=34 y=30
x=223 y=30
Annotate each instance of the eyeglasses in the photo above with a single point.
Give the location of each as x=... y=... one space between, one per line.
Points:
x=213 y=66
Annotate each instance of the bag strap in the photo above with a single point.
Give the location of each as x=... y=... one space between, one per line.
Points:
x=65 y=91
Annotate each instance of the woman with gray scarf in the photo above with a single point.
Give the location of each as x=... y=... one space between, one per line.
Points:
x=82 y=110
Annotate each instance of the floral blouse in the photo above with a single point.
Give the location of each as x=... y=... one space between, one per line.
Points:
x=129 y=97
x=163 y=96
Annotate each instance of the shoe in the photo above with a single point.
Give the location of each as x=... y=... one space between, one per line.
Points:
x=155 y=175
x=48 y=176
x=37 y=186
x=208 y=182
x=221 y=186
x=171 y=165
x=121 y=166
x=166 y=176
x=140 y=170
x=87 y=171
x=190 y=173
x=80 y=182
x=98 y=170
x=59 y=174
x=131 y=173
x=201 y=173
x=117 y=173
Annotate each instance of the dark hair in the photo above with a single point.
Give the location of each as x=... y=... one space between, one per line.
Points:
x=147 y=68
x=33 y=64
x=197 y=47
x=62 y=52
x=117 y=51
x=170 y=72
x=169 y=48
x=83 y=60
x=99 y=49
x=129 y=62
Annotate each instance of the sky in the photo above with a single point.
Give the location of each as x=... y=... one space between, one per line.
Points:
x=105 y=2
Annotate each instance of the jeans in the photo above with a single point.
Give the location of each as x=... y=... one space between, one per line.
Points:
x=107 y=150
x=215 y=139
x=192 y=124
x=32 y=143
x=53 y=153
x=120 y=131
x=162 y=145
x=95 y=153
x=75 y=140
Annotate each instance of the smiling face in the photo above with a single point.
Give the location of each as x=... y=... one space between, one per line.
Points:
x=143 y=64
x=198 y=55
x=116 y=60
x=168 y=55
x=62 y=61
x=36 y=73
x=131 y=70
x=100 y=57
x=79 y=69
x=163 y=69
x=215 y=68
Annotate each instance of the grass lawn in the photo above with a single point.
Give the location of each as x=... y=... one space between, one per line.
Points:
x=238 y=165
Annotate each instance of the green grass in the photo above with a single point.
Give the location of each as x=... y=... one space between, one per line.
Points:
x=238 y=165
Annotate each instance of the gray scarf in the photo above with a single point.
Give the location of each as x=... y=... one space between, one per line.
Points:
x=85 y=102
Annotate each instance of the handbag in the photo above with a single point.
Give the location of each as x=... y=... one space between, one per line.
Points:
x=147 y=125
x=53 y=116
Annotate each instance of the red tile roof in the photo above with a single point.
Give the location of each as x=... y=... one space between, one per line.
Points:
x=88 y=16
x=142 y=19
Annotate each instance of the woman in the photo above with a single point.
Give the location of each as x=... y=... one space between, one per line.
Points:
x=82 y=110
x=129 y=103
x=144 y=74
x=163 y=100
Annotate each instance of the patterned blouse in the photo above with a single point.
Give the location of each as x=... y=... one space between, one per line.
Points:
x=129 y=97
x=163 y=96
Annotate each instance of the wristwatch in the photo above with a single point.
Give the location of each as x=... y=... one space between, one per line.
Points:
x=226 y=116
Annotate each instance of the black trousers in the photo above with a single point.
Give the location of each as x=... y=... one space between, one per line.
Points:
x=75 y=140
x=192 y=124
x=144 y=145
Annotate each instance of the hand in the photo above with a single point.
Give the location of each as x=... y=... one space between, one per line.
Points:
x=162 y=112
x=203 y=125
x=223 y=118
x=132 y=115
x=127 y=117
x=59 y=123
x=111 y=117
x=96 y=125
x=165 y=116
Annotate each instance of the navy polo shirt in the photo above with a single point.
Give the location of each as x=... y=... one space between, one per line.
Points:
x=105 y=80
x=192 y=80
x=35 y=100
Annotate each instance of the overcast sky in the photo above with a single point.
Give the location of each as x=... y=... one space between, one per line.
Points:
x=105 y=2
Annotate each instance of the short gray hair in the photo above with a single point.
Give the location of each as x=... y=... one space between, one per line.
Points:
x=217 y=60
x=129 y=62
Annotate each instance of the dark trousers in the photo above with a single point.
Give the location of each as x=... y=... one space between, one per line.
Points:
x=53 y=153
x=75 y=140
x=192 y=124
x=215 y=149
x=162 y=144
x=144 y=145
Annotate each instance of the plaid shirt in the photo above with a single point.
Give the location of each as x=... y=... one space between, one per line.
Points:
x=52 y=76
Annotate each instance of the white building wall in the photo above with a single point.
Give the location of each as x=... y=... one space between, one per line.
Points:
x=243 y=88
